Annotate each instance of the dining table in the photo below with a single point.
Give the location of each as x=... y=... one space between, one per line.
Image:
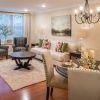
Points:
x=62 y=71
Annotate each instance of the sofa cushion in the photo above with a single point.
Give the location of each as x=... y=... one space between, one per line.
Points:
x=59 y=56
x=38 y=50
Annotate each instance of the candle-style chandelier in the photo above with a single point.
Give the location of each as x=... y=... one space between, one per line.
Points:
x=85 y=15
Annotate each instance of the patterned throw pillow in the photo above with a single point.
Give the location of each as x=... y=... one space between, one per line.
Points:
x=59 y=46
x=46 y=44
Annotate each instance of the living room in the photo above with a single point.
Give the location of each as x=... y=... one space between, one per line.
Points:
x=36 y=21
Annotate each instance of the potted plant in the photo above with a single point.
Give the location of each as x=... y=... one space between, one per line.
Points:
x=5 y=30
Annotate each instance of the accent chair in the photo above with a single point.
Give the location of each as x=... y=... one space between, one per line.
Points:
x=20 y=44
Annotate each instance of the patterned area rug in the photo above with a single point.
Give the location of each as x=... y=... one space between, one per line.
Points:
x=17 y=79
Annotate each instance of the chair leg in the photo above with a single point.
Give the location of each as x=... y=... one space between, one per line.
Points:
x=47 y=95
x=51 y=92
x=7 y=57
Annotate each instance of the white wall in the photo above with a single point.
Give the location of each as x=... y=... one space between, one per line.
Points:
x=42 y=29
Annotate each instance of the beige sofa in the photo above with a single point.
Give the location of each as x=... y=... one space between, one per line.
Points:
x=58 y=57
x=83 y=84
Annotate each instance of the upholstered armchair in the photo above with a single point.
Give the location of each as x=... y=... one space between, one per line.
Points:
x=20 y=44
x=3 y=50
x=53 y=80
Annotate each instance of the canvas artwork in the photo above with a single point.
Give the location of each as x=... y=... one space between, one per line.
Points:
x=61 y=25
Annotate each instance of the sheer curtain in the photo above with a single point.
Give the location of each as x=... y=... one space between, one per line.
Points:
x=27 y=27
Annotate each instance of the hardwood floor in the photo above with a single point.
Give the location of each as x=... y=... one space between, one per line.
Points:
x=33 y=92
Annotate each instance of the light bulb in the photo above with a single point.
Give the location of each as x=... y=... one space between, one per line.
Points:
x=43 y=6
x=91 y=11
x=81 y=8
x=26 y=10
x=98 y=9
x=76 y=11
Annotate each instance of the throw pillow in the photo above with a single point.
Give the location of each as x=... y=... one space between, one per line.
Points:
x=46 y=44
x=59 y=46
x=40 y=42
x=64 y=47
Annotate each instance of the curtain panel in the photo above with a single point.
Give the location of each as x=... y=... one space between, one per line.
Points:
x=27 y=27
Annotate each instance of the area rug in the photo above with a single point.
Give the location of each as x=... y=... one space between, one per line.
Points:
x=17 y=79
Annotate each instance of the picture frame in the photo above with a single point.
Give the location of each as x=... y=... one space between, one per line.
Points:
x=61 y=25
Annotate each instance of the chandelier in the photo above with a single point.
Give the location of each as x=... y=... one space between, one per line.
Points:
x=85 y=15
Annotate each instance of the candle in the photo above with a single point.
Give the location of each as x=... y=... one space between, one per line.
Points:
x=85 y=55
x=92 y=53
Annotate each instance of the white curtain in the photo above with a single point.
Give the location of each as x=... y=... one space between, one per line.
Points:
x=27 y=27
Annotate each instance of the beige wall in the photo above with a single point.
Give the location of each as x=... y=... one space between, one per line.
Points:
x=41 y=28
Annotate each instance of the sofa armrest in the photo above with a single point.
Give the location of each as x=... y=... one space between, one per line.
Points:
x=4 y=47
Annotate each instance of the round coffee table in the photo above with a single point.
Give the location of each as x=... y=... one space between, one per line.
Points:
x=19 y=56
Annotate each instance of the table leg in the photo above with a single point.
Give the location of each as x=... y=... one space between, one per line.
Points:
x=20 y=64
x=26 y=64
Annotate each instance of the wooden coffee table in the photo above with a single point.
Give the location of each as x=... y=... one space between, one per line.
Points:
x=19 y=56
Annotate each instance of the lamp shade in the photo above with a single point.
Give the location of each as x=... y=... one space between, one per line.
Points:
x=81 y=34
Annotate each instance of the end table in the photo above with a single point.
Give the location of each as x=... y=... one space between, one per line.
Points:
x=75 y=54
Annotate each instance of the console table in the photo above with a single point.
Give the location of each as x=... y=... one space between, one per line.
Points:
x=75 y=54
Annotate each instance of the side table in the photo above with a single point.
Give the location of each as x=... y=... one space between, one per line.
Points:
x=75 y=54
x=34 y=44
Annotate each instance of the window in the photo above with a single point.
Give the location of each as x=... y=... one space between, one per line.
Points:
x=14 y=23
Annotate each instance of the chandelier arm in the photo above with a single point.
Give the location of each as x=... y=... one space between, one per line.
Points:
x=90 y=19
x=97 y=19
x=94 y=15
x=83 y=19
x=77 y=20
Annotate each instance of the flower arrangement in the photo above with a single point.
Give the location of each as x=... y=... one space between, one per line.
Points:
x=87 y=59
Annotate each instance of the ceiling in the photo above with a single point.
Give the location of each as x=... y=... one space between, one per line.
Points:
x=35 y=5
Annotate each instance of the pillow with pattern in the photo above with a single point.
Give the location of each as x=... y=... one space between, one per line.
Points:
x=58 y=47
x=46 y=44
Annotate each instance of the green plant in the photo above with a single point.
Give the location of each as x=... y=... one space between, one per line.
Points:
x=5 y=30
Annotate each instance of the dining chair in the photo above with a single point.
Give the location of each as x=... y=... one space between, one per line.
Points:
x=53 y=80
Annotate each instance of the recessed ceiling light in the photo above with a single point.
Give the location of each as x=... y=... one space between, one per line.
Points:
x=43 y=6
x=26 y=10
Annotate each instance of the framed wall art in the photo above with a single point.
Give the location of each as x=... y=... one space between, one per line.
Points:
x=61 y=25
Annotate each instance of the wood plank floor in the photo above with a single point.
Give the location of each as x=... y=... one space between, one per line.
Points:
x=33 y=92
